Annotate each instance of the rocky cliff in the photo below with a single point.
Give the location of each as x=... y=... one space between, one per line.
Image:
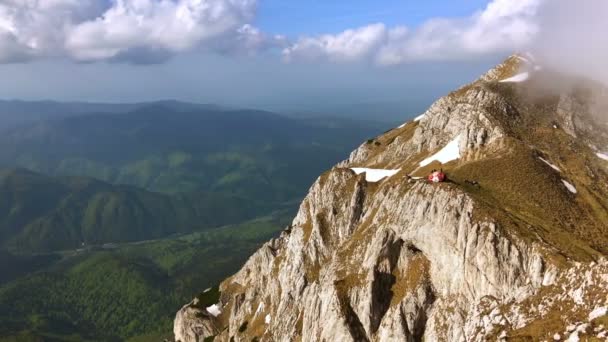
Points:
x=512 y=247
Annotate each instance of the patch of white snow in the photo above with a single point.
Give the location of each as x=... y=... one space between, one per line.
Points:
x=517 y=78
x=557 y=337
x=598 y=312
x=419 y=117
x=573 y=337
x=603 y=156
x=450 y=152
x=267 y=319
x=552 y=166
x=374 y=175
x=214 y=310
x=569 y=186
x=416 y=119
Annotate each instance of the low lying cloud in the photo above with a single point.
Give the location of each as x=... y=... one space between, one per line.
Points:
x=503 y=26
x=572 y=37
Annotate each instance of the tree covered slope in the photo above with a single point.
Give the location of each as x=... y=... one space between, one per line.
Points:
x=40 y=213
x=126 y=291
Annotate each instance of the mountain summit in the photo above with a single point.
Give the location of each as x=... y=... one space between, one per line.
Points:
x=512 y=246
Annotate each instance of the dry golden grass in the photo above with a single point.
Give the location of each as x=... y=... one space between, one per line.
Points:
x=379 y=145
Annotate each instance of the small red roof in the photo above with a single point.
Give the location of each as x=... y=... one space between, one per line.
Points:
x=436 y=177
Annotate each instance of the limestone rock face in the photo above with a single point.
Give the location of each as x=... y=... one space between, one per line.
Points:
x=191 y=323
x=404 y=260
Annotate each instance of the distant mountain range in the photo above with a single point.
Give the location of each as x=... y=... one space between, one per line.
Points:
x=17 y=112
x=161 y=148
x=205 y=167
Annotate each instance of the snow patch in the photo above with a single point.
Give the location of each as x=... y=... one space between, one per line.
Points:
x=552 y=166
x=214 y=310
x=524 y=59
x=598 y=312
x=419 y=117
x=260 y=308
x=416 y=119
x=517 y=78
x=569 y=186
x=450 y=152
x=267 y=319
x=603 y=156
x=374 y=175
x=573 y=337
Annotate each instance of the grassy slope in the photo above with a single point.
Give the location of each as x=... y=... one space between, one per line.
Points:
x=132 y=290
x=516 y=188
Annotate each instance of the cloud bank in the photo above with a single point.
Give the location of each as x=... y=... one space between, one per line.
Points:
x=564 y=32
x=503 y=26
x=139 y=31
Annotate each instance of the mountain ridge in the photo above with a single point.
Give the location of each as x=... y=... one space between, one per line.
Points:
x=400 y=259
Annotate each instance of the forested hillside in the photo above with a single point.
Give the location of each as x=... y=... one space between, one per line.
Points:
x=41 y=214
x=125 y=290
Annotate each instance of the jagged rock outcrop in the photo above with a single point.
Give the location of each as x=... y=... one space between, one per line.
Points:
x=478 y=258
x=192 y=323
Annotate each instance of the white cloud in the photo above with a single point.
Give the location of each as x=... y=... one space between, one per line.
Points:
x=151 y=31
x=164 y=25
x=250 y=40
x=90 y=30
x=504 y=25
x=347 y=46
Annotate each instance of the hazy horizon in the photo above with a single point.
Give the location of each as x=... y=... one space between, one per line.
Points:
x=266 y=54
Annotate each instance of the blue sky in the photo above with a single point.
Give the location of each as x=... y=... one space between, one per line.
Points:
x=295 y=18
x=274 y=54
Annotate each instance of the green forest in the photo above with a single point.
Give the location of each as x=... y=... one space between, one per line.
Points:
x=126 y=291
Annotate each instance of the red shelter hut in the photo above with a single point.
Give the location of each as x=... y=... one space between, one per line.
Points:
x=437 y=177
